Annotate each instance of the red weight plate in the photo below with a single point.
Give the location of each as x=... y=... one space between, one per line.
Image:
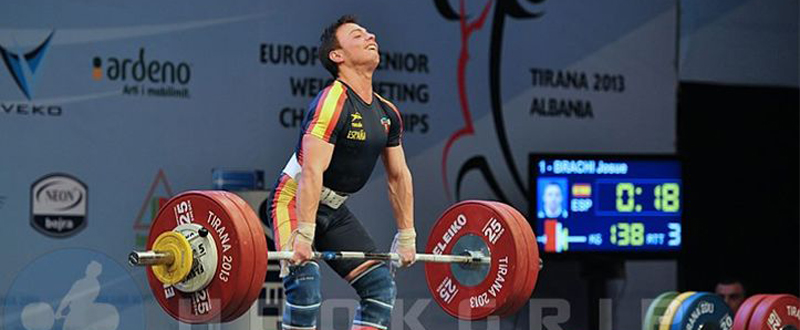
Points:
x=745 y=311
x=234 y=246
x=776 y=312
x=533 y=264
x=259 y=255
x=492 y=228
x=245 y=278
x=523 y=267
x=245 y=275
x=532 y=252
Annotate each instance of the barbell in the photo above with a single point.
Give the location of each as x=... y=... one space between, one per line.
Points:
x=207 y=258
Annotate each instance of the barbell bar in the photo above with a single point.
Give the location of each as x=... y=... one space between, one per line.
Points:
x=481 y=258
x=150 y=258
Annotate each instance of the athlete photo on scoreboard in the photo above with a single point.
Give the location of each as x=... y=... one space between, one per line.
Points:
x=554 y=196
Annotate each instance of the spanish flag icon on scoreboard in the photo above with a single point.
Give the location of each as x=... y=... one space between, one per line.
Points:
x=581 y=190
x=552 y=231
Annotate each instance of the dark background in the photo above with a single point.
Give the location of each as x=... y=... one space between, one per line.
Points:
x=741 y=151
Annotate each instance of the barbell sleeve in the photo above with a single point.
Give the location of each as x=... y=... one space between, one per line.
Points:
x=149 y=258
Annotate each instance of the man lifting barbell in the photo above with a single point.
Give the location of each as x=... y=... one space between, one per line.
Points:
x=207 y=254
x=346 y=128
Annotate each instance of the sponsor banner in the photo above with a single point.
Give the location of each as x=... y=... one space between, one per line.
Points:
x=59 y=205
x=24 y=66
x=144 y=77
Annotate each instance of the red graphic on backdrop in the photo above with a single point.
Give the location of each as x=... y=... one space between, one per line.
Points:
x=466 y=30
x=504 y=9
x=152 y=202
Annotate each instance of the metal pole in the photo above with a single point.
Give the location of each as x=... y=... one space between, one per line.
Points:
x=423 y=257
x=148 y=258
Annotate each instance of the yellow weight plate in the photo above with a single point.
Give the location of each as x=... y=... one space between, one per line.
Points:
x=666 y=320
x=178 y=246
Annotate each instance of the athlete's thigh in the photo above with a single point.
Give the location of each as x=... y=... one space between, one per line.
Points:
x=344 y=233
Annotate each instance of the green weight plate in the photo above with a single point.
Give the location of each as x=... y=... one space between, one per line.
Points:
x=657 y=309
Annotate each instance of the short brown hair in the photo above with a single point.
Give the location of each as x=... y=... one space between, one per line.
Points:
x=328 y=42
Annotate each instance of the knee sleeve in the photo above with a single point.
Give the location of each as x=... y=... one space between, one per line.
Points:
x=377 y=290
x=303 y=298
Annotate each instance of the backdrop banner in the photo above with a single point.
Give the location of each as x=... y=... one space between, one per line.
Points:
x=138 y=101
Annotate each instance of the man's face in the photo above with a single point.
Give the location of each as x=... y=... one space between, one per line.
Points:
x=733 y=294
x=358 y=46
x=552 y=197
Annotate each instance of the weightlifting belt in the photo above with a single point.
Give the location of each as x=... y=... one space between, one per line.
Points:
x=331 y=198
x=328 y=197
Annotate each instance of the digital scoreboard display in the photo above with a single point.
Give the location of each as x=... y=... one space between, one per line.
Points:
x=605 y=204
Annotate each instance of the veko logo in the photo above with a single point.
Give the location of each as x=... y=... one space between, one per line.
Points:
x=23 y=67
x=58 y=205
x=140 y=70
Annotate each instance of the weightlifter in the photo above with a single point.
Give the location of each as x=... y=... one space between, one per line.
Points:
x=346 y=128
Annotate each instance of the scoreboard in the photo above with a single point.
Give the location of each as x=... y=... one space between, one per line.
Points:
x=605 y=204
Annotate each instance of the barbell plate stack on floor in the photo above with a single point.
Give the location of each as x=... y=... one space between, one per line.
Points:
x=781 y=311
x=657 y=309
x=742 y=318
x=672 y=308
x=708 y=311
x=702 y=310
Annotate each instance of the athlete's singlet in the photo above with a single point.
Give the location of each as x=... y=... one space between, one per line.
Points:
x=359 y=132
